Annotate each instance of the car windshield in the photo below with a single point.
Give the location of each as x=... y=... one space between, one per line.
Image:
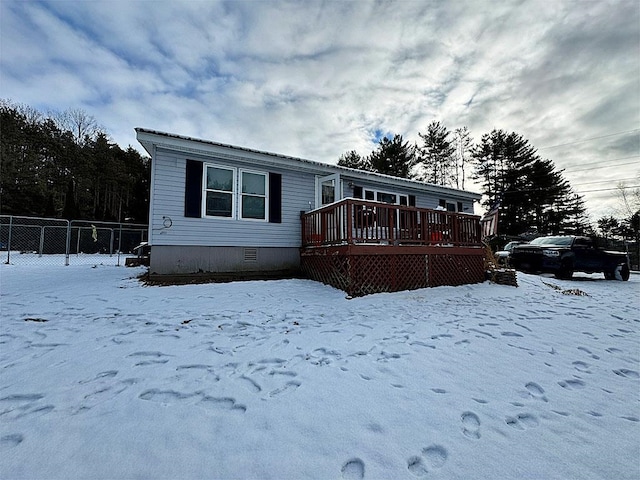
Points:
x=552 y=241
x=510 y=245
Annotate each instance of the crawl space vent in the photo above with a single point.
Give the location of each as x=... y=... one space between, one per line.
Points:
x=250 y=254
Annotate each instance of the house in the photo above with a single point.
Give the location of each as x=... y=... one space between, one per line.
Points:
x=224 y=210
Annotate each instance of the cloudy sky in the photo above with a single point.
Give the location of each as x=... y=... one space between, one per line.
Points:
x=316 y=79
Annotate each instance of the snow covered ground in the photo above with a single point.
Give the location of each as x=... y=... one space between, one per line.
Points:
x=102 y=377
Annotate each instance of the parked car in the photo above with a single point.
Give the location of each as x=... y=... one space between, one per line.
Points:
x=567 y=254
x=503 y=256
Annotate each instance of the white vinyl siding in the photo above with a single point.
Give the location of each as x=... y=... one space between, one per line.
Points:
x=168 y=201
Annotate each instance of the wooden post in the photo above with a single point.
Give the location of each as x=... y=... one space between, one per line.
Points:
x=392 y=225
x=455 y=237
x=349 y=226
x=303 y=228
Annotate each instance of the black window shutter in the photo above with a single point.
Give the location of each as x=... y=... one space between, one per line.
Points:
x=412 y=200
x=193 y=189
x=275 y=198
x=357 y=192
x=442 y=203
x=460 y=206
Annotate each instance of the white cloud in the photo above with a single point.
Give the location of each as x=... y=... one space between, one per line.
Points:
x=315 y=79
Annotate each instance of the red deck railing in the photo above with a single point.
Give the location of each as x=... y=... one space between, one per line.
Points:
x=352 y=221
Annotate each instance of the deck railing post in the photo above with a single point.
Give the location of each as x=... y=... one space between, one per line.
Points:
x=303 y=228
x=349 y=225
x=323 y=227
x=455 y=237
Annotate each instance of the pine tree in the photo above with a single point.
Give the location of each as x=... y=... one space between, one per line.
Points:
x=393 y=157
x=575 y=220
x=608 y=226
x=353 y=160
x=436 y=155
x=533 y=193
x=487 y=158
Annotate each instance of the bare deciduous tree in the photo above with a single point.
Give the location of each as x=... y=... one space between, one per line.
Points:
x=80 y=123
x=463 y=152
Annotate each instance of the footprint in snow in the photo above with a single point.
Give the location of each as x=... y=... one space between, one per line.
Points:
x=572 y=384
x=432 y=458
x=417 y=466
x=436 y=456
x=470 y=425
x=522 y=421
x=10 y=441
x=101 y=375
x=624 y=372
x=22 y=405
x=353 y=469
x=536 y=391
x=581 y=366
x=588 y=352
x=292 y=385
x=170 y=397
x=251 y=385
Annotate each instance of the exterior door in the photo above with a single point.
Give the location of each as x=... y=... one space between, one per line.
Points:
x=328 y=190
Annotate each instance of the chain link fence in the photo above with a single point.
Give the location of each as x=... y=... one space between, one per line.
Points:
x=35 y=240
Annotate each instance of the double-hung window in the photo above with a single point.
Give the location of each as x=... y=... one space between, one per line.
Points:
x=235 y=193
x=219 y=191
x=253 y=195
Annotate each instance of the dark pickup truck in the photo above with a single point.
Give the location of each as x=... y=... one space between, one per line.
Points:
x=565 y=255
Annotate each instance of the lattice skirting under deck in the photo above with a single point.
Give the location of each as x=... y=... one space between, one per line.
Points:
x=363 y=274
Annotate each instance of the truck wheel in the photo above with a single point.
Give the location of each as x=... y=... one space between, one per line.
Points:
x=566 y=270
x=622 y=272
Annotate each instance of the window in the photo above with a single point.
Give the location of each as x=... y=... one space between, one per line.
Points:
x=235 y=193
x=380 y=214
x=253 y=195
x=219 y=198
x=386 y=197
x=450 y=206
x=328 y=192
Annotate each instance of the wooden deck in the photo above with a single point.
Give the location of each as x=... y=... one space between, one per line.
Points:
x=367 y=247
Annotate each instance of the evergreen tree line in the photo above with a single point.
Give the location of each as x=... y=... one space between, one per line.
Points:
x=534 y=196
x=64 y=165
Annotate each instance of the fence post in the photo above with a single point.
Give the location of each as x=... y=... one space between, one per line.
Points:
x=111 y=244
x=119 y=244
x=41 y=241
x=9 y=239
x=68 y=245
